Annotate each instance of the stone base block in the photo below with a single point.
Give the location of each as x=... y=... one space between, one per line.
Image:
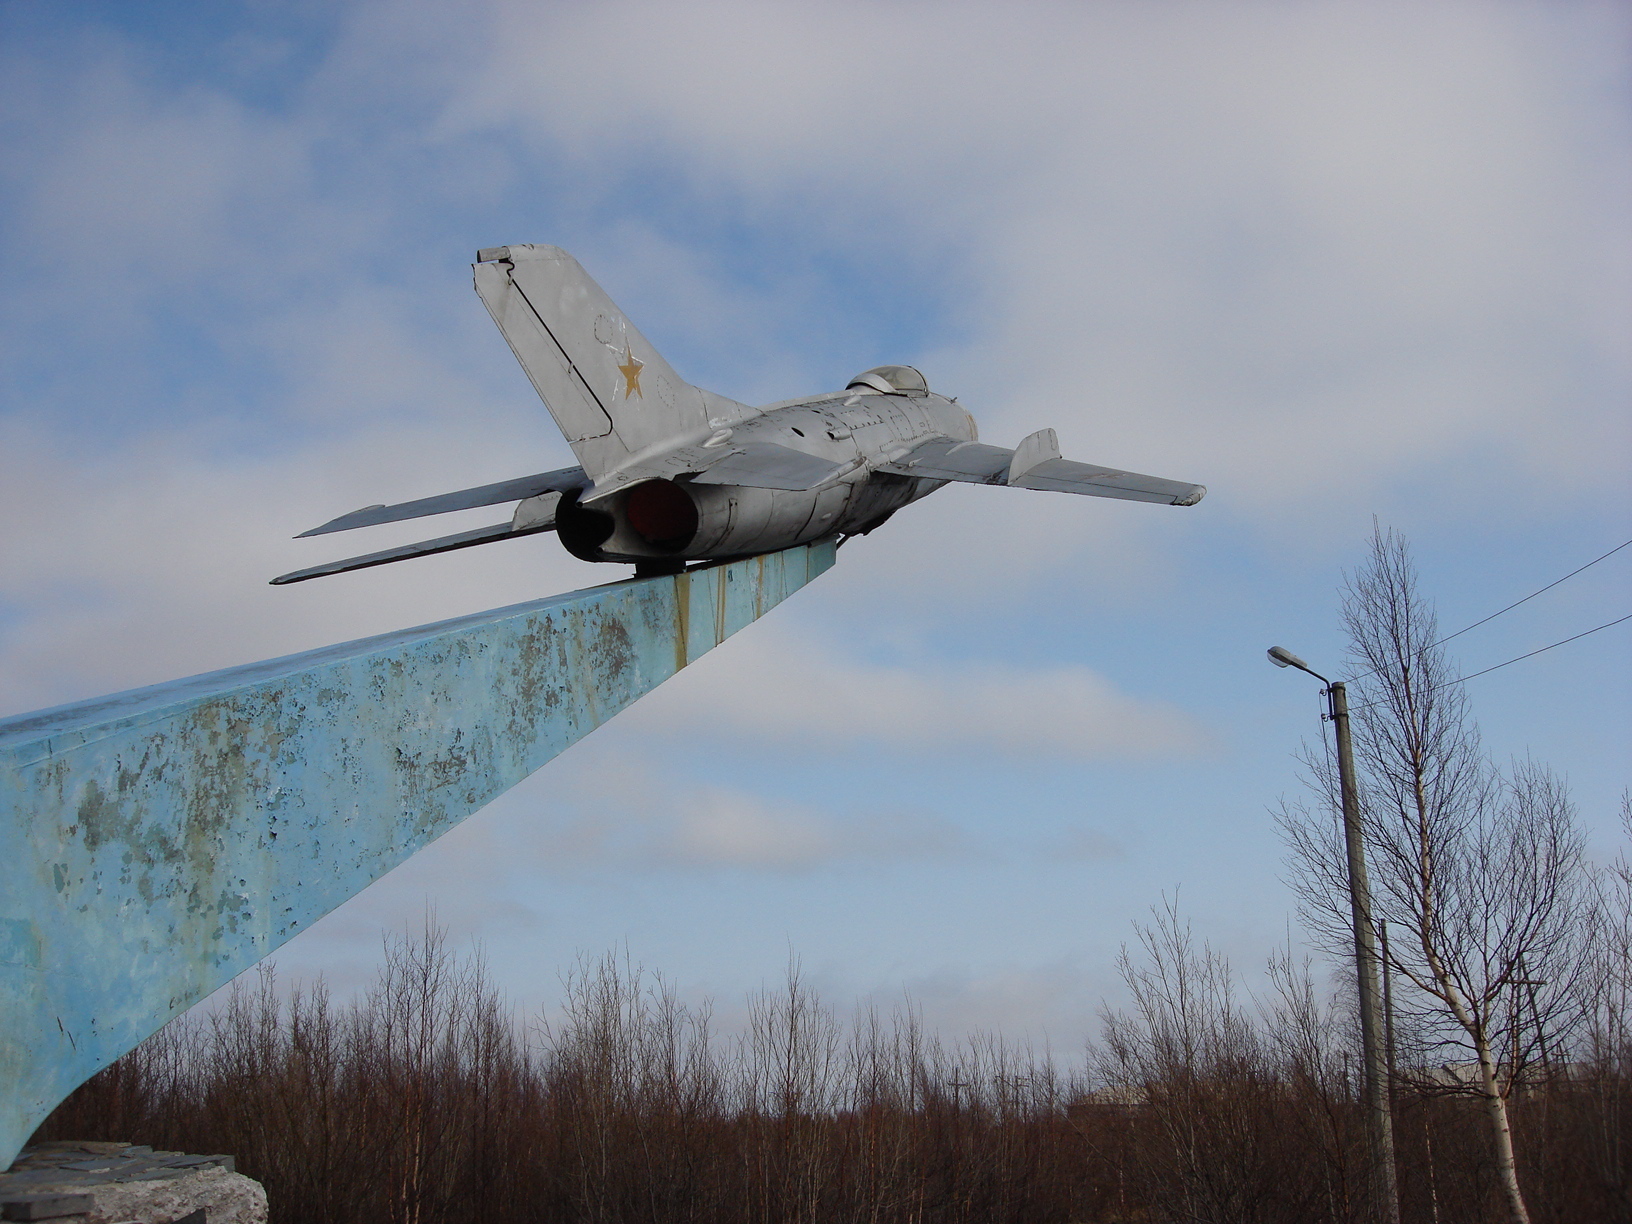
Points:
x=120 y=1183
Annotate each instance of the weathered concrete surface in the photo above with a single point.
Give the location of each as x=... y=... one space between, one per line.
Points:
x=116 y=1183
x=159 y=842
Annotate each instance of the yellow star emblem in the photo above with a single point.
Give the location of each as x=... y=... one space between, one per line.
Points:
x=630 y=369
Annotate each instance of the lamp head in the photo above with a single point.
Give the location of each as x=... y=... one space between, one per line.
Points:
x=1282 y=657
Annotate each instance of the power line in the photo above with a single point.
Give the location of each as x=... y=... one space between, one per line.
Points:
x=1544 y=649
x=1519 y=659
x=1510 y=608
x=1531 y=596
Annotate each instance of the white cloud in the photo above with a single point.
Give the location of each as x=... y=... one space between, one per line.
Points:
x=777 y=685
x=718 y=826
x=611 y=811
x=1297 y=253
x=1286 y=252
x=1048 y=1004
x=150 y=563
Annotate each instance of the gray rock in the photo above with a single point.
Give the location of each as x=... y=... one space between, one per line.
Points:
x=114 y=1183
x=46 y=1206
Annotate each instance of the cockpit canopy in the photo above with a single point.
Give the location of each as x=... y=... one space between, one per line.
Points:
x=891 y=380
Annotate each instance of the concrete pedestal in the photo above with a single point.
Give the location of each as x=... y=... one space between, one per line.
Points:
x=157 y=843
x=118 y=1183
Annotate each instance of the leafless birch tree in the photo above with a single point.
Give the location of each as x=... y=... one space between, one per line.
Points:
x=1480 y=873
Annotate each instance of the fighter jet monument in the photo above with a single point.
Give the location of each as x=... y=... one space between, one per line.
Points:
x=159 y=842
x=669 y=473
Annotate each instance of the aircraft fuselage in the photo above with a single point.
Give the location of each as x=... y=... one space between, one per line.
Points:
x=683 y=519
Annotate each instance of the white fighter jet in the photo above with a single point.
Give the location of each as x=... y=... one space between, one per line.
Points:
x=669 y=473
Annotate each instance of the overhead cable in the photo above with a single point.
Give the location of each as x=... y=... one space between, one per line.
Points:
x=1544 y=649
x=1519 y=659
x=1531 y=596
x=1509 y=608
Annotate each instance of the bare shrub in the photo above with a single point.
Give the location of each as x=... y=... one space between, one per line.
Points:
x=1229 y=1098
x=425 y=1101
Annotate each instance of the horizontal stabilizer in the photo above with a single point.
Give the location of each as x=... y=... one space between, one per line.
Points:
x=945 y=458
x=765 y=465
x=465 y=499
x=1066 y=476
x=465 y=539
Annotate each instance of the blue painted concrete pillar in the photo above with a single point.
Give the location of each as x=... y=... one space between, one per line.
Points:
x=155 y=844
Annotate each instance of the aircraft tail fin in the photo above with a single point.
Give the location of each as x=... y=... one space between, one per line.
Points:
x=609 y=390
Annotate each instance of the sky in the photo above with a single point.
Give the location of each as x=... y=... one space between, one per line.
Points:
x=1343 y=263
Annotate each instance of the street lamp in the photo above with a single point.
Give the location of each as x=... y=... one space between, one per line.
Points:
x=1379 y=1121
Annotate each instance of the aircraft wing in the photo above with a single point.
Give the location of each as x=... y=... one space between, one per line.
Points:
x=464 y=539
x=560 y=481
x=1035 y=464
x=943 y=458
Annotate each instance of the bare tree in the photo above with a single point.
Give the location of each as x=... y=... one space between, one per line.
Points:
x=1604 y=1072
x=1483 y=869
x=1206 y=1079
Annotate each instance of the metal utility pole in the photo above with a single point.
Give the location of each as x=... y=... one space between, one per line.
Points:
x=1379 y=1117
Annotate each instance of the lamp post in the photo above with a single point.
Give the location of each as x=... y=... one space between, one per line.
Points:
x=1379 y=1120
